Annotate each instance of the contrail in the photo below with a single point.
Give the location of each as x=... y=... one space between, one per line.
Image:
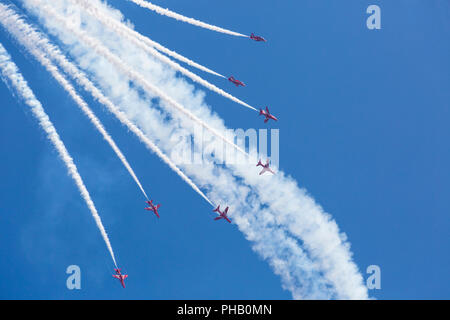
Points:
x=7 y=19
x=151 y=43
x=30 y=38
x=145 y=41
x=130 y=73
x=15 y=81
x=135 y=38
x=87 y=111
x=174 y=15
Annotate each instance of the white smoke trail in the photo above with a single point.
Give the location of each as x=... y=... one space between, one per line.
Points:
x=30 y=38
x=273 y=213
x=135 y=38
x=174 y=15
x=14 y=79
x=151 y=43
x=79 y=101
x=129 y=72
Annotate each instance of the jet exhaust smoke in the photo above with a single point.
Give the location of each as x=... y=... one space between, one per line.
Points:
x=130 y=73
x=174 y=15
x=143 y=40
x=29 y=38
x=14 y=80
x=135 y=38
x=78 y=100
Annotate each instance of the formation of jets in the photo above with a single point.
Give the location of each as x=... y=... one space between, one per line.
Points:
x=222 y=214
x=238 y=83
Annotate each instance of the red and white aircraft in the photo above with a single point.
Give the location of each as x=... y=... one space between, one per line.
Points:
x=267 y=115
x=236 y=82
x=266 y=167
x=257 y=38
x=223 y=215
x=153 y=207
x=120 y=276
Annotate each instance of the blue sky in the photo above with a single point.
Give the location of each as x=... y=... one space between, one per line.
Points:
x=363 y=127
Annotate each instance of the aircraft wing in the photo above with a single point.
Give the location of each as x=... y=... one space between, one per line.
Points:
x=116 y=276
x=217 y=218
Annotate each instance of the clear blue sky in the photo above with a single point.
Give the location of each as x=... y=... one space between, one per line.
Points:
x=363 y=126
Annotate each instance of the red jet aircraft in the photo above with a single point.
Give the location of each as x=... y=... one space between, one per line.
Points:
x=223 y=215
x=265 y=167
x=257 y=38
x=153 y=207
x=236 y=82
x=267 y=115
x=120 y=276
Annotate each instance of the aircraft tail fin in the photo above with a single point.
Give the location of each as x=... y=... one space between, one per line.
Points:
x=259 y=163
x=217 y=209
